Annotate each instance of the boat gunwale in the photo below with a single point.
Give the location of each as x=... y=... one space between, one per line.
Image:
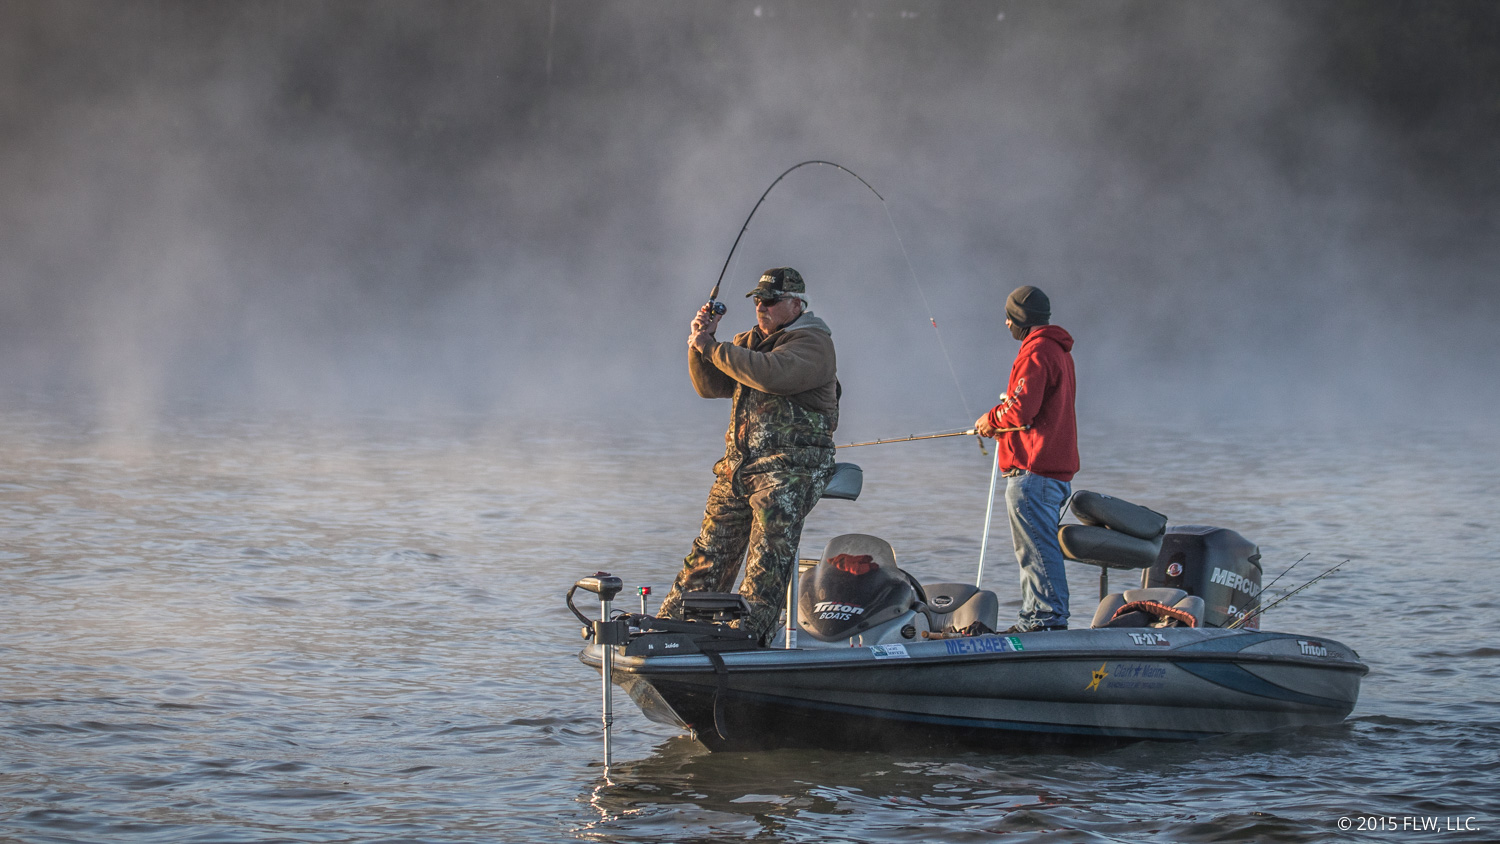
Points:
x=699 y=663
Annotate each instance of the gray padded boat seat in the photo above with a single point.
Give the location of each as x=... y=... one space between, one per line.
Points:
x=1115 y=534
x=1100 y=546
x=952 y=607
x=855 y=544
x=847 y=481
x=1093 y=508
x=1175 y=599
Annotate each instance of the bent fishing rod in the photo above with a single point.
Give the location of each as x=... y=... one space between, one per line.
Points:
x=717 y=308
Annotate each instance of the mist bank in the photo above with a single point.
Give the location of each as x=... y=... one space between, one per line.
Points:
x=1270 y=211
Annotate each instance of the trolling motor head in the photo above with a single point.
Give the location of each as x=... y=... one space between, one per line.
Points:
x=603 y=584
x=603 y=631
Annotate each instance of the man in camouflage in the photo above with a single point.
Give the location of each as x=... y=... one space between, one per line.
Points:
x=778 y=453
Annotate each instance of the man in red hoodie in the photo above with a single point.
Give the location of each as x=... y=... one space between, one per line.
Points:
x=1040 y=459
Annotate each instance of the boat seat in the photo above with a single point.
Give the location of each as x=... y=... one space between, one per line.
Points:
x=1100 y=546
x=881 y=553
x=1115 y=534
x=952 y=607
x=1176 y=599
x=847 y=481
x=860 y=571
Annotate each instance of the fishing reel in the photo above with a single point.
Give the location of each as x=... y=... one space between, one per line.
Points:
x=715 y=308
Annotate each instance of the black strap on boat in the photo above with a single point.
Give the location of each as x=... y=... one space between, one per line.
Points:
x=721 y=674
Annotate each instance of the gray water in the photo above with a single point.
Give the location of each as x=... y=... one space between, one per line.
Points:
x=220 y=630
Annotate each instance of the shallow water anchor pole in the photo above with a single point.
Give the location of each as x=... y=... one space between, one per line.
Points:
x=989 y=511
x=607 y=634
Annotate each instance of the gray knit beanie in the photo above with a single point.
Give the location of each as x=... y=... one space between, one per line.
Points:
x=1027 y=306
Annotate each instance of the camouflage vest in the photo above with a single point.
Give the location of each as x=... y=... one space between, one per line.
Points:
x=767 y=433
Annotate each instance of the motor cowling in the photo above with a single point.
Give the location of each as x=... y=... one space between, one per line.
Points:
x=849 y=592
x=1216 y=564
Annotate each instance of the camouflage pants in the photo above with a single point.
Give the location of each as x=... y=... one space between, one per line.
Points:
x=761 y=514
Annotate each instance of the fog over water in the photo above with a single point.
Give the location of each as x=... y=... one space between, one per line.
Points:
x=1284 y=211
x=338 y=338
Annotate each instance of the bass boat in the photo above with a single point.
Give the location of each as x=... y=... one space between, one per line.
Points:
x=874 y=658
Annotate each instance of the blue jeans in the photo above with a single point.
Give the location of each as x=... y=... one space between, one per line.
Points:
x=1035 y=504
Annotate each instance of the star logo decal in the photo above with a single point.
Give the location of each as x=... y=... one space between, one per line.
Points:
x=1100 y=674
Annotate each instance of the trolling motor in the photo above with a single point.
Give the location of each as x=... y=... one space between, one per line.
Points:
x=606 y=586
x=604 y=632
x=705 y=626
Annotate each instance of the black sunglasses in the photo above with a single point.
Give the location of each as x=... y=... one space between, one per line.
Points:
x=769 y=302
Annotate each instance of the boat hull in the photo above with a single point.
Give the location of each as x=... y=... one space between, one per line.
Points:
x=1068 y=686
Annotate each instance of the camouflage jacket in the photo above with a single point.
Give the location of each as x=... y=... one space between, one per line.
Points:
x=786 y=395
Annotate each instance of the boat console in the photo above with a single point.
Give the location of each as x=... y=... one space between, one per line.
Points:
x=855 y=588
x=855 y=594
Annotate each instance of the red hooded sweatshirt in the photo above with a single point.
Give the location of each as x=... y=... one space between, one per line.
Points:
x=1040 y=394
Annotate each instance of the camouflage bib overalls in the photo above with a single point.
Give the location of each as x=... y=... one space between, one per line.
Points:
x=778 y=457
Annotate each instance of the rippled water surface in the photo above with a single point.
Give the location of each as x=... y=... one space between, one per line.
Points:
x=226 y=631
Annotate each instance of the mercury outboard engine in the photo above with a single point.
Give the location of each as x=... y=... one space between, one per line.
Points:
x=855 y=587
x=1216 y=564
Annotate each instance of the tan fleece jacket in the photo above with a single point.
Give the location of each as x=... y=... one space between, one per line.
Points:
x=797 y=362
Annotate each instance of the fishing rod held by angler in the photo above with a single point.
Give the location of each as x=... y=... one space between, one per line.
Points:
x=716 y=307
x=972 y=432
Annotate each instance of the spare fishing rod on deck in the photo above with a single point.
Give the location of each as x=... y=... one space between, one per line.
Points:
x=1247 y=617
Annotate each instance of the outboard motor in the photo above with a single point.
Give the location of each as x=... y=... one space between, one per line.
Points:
x=856 y=586
x=1216 y=564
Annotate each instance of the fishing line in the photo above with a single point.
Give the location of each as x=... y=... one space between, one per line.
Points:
x=930 y=318
x=716 y=307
